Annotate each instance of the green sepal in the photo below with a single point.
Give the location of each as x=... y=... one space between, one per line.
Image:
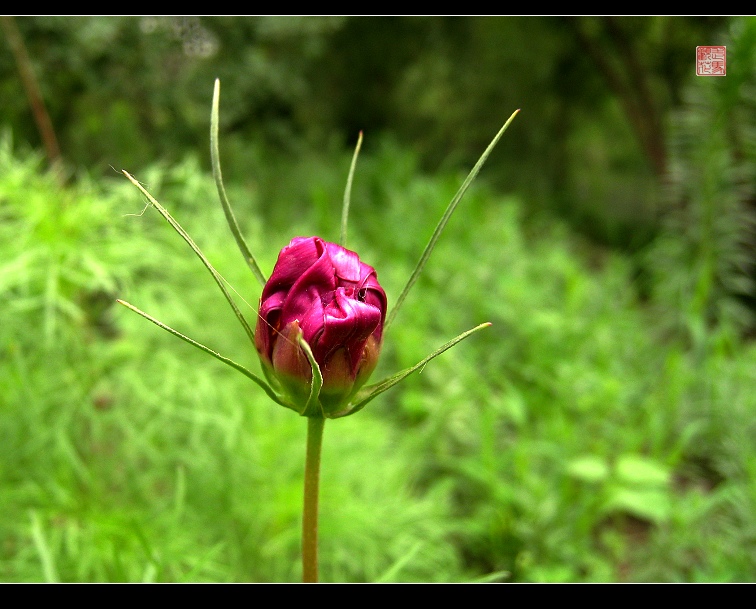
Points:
x=229 y=362
x=185 y=236
x=312 y=407
x=218 y=176
x=348 y=193
x=366 y=394
x=444 y=220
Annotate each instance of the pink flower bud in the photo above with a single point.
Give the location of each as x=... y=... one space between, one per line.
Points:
x=323 y=291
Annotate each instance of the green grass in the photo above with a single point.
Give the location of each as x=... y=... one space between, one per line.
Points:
x=577 y=439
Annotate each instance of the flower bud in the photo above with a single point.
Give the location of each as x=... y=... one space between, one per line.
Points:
x=323 y=292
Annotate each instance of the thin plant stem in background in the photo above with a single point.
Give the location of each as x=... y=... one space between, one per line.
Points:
x=33 y=93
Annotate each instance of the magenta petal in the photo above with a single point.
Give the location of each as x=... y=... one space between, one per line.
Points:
x=347 y=323
x=294 y=259
x=346 y=264
x=310 y=291
x=311 y=322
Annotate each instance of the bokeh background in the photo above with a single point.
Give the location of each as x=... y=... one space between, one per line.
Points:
x=603 y=429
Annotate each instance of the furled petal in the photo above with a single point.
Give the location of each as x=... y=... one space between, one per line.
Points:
x=347 y=323
x=294 y=259
x=269 y=315
x=346 y=264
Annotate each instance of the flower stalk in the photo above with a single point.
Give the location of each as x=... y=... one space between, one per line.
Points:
x=311 y=490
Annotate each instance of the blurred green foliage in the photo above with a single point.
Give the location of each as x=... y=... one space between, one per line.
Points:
x=602 y=428
x=595 y=92
x=572 y=441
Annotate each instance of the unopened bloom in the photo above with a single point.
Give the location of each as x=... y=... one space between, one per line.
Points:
x=323 y=291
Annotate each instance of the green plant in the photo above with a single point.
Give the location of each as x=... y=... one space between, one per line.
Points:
x=282 y=370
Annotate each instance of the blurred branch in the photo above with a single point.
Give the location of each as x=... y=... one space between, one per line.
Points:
x=645 y=99
x=33 y=92
x=630 y=84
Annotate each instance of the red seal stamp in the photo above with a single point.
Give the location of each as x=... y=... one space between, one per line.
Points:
x=711 y=61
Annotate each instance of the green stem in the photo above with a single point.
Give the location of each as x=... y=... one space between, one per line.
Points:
x=311 y=484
